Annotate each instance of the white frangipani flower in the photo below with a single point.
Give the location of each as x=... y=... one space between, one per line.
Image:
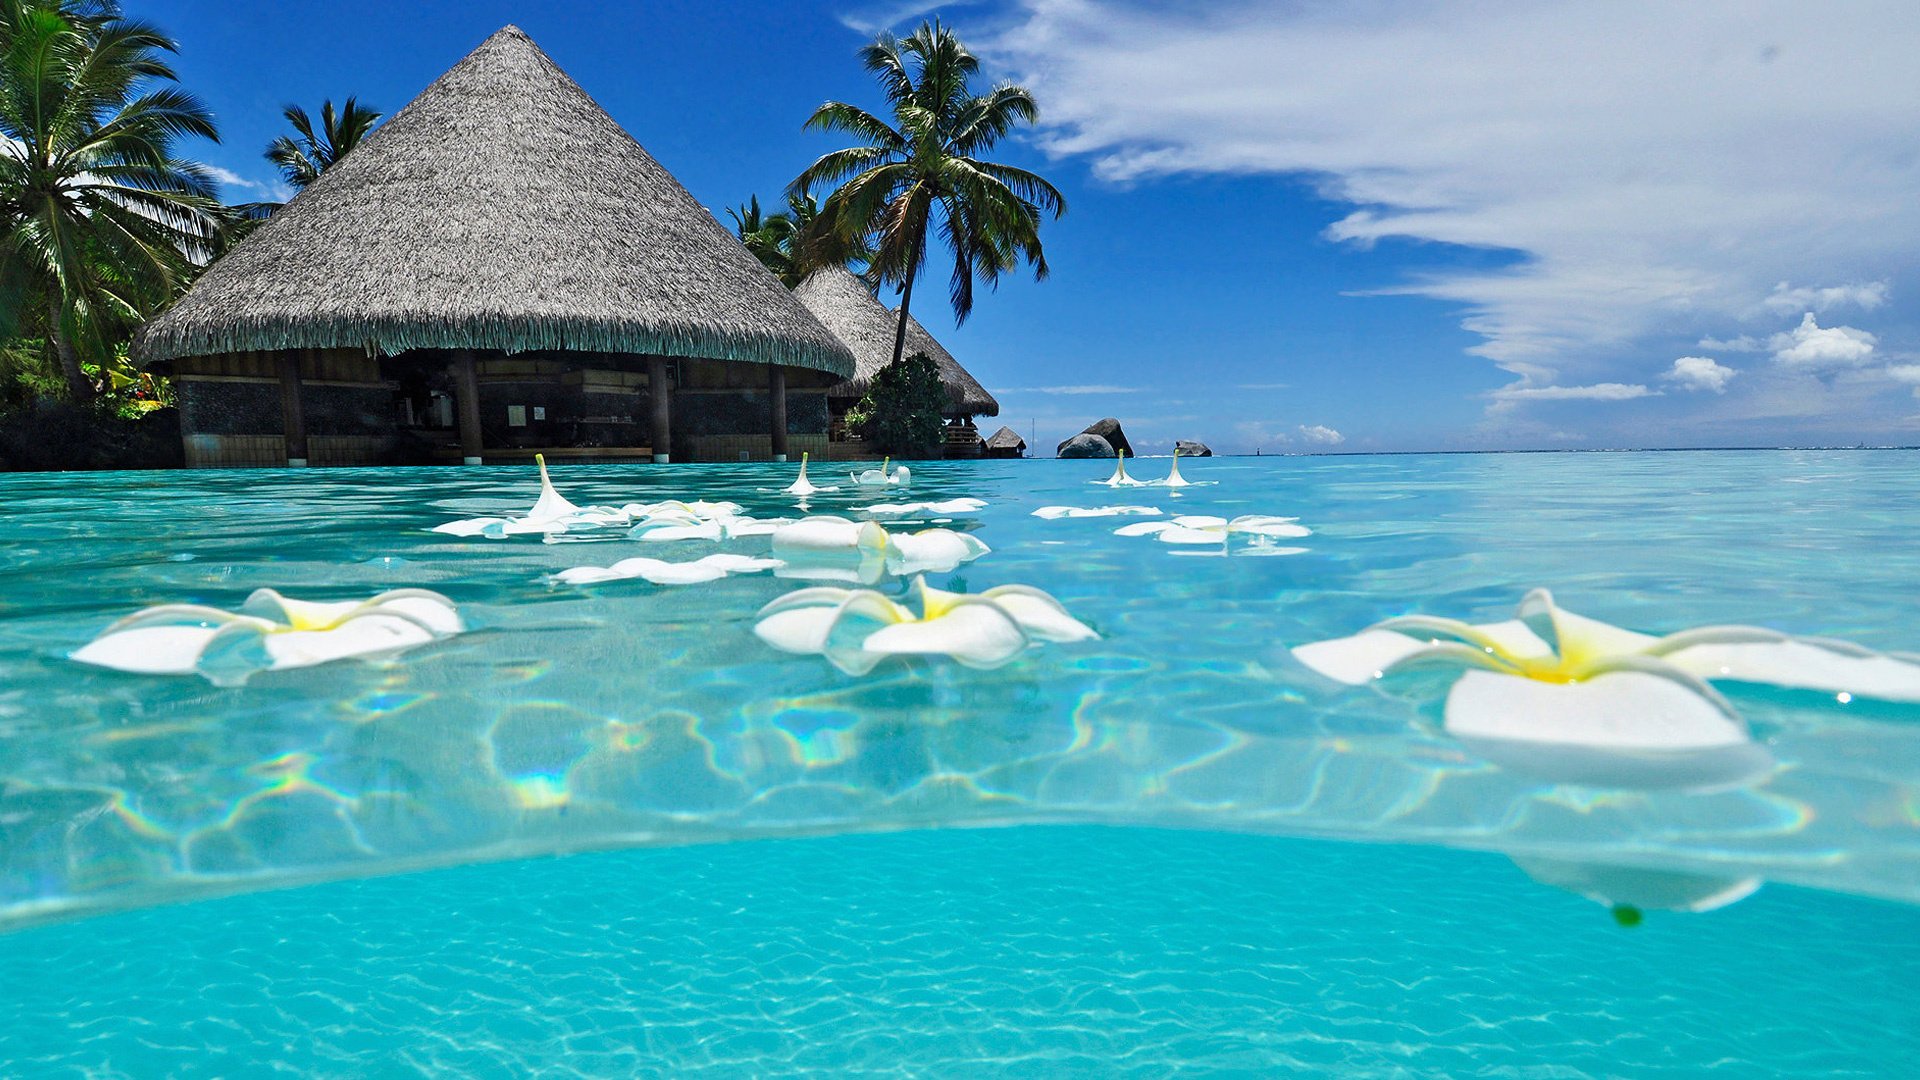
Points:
x=1204 y=529
x=551 y=514
x=1120 y=477
x=880 y=477
x=1629 y=890
x=269 y=632
x=856 y=629
x=1557 y=694
x=1051 y=513
x=947 y=507
x=802 y=486
x=838 y=549
x=660 y=572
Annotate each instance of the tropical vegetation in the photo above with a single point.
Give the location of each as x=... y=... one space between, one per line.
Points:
x=926 y=171
x=102 y=223
x=794 y=243
x=900 y=412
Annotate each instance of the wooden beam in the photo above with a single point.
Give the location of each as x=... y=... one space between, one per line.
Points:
x=466 y=391
x=777 y=391
x=293 y=414
x=662 y=397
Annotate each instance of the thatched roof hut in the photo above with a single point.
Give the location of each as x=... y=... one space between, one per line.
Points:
x=502 y=209
x=1005 y=443
x=841 y=301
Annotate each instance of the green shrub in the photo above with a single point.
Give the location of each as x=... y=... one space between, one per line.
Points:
x=900 y=412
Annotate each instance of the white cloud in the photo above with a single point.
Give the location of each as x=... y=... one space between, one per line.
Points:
x=1786 y=300
x=1633 y=155
x=276 y=190
x=1811 y=345
x=1320 y=435
x=1507 y=397
x=1700 y=373
x=1906 y=373
x=1090 y=388
x=1743 y=343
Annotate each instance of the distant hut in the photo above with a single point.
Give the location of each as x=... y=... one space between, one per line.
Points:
x=1006 y=443
x=498 y=269
x=844 y=304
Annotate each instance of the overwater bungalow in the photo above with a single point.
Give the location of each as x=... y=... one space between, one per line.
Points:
x=844 y=304
x=500 y=269
x=1005 y=443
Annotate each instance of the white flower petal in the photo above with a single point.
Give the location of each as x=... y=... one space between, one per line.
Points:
x=1745 y=654
x=472 y=526
x=1200 y=521
x=363 y=635
x=550 y=506
x=1052 y=512
x=975 y=633
x=933 y=550
x=1262 y=525
x=1039 y=614
x=1623 y=710
x=148 y=650
x=430 y=609
x=1143 y=528
x=1179 y=534
x=1641 y=887
x=669 y=530
x=1358 y=659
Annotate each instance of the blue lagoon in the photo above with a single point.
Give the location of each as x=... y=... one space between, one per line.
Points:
x=1207 y=855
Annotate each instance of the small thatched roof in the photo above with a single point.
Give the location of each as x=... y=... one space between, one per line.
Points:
x=841 y=301
x=501 y=209
x=1006 y=439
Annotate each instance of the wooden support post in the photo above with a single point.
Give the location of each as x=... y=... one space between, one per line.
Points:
x=293 y=414
x=662 y=396
x=466 y=388
x=777 y=391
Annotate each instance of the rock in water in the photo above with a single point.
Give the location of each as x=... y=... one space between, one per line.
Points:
x=1086 y=446
x=1188 y=448
x=1109 y=429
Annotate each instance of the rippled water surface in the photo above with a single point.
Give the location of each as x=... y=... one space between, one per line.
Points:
x=1158 y=909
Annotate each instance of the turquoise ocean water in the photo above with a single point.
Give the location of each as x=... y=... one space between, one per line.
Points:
x=1204 y=859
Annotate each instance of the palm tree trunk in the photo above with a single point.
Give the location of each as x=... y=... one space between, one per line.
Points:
x=906 y=297
x=78 y=387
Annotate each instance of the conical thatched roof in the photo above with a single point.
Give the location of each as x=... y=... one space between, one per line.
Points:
x=501 y=209
x=841 y=301
x=1006 y=439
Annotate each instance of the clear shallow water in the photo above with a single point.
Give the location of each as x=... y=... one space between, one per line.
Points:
x=630 y=715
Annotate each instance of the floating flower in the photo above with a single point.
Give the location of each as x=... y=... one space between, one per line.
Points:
x=837 y=549
x=1174 y=479
x=660 y=572
x=668 y=524
x=269 y=632
x=855 y=629
x=1050 y=513
x=802 y=486
x=1120 y=477
x=880 y=477
x=1202 y=529
x=1629 y=890
x=948 y=507
x=1573 y=698
x=551 y=514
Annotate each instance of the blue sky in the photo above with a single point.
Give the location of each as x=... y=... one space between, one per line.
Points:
x=1304 y=227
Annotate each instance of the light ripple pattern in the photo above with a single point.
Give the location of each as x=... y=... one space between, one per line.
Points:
x=573 y=719
x=1000 y=953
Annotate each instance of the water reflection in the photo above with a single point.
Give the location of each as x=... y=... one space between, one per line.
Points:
x=569 y=719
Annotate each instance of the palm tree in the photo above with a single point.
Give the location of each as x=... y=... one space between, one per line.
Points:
x=925 y=169
x=100 y=221
x=794 y=242
x=302 y=160
x=769 y=236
